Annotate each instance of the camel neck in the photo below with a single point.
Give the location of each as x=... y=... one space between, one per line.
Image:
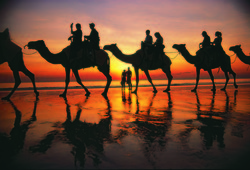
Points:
x=50 y=57
x=242 y=56
x=125 y=58
x=188 y=57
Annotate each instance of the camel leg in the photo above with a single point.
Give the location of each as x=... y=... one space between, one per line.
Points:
x=227 y=79
x=212 y=78
x=167 y=71
x=67 y=71
x=78 y=79
x=105 y=71
x=137 y=79
x=32 y=78
x=150 y=80
x=197 y=78
x=17 y=83
x=234 y=75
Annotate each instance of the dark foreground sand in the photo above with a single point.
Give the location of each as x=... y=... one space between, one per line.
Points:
x=179 y=129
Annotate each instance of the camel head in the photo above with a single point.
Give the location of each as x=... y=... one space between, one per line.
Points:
x=110 y=47
x=35 y=44
x=179 y=47
x=235 y=48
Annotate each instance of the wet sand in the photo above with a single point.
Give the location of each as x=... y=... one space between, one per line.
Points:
x=179 y=129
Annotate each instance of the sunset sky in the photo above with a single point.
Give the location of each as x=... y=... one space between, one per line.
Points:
x=124 y=22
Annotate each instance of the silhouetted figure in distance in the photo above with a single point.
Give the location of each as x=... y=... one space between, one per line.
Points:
x=77 y=40
x=158 y=45
x=129 y=74
x=123 y=79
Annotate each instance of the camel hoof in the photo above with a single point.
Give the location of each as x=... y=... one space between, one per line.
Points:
x=37 y=93
x=213 y=89
x=155 y=91
x=63 y=95
x=104 y=95
x=87 y=94
x=167 y=90
x=194 y=90
x=6 y=98
x=236 y=86
x=223 y=89
x=134 y=92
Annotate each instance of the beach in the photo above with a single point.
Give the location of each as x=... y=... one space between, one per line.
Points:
x=175 y=130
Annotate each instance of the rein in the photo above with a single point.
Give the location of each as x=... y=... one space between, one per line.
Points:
x=234 y=58
x=175 y=55
x=24 y=48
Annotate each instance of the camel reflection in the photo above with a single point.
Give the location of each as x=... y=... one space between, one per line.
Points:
x=11 y=145
x=87 y=138
x=151 y=125
x=212 y=122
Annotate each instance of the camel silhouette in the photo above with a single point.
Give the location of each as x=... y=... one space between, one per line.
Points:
x=238 y=51
x=138 y=61
x=223 y=62
x=12 y=54
x=102 y=62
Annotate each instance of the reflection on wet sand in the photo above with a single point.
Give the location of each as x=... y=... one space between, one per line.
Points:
x=126 y=130
x=212 y=122
x=87 y=138
x=13 y=143
x=150 y=128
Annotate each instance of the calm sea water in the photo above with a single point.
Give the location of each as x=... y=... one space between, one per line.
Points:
x=114 y=84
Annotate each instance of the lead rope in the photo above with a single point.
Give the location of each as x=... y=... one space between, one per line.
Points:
x=23 y=47
x=234 y=58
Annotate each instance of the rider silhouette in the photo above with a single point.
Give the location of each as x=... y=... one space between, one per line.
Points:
x=148 y=42
x=206 y=40
x=77 y=39
x=217 y=42
x=203 y=51
x=158 y=45
x=93 y=38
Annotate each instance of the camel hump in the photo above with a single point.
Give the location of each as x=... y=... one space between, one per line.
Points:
x=10 y=50
x=66 y=50
x=101 y=57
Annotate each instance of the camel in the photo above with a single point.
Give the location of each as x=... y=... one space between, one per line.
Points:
x=238 y=51
x=138 y=61
x=13 y=55
x=223 y=62
x=102 y=62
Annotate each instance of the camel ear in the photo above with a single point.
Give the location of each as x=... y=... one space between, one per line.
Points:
x=240 y=45
x=115 y=44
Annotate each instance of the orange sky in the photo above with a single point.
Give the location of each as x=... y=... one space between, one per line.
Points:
x=124 y=22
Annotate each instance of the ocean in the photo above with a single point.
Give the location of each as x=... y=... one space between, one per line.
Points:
x=116 y=84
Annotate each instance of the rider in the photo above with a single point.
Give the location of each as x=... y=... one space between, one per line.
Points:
x=217 y=41
x=206 y=41
x=158 y=45
x=77 y=39
x=204 y=47
x=93 y=39
x=148 y=42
